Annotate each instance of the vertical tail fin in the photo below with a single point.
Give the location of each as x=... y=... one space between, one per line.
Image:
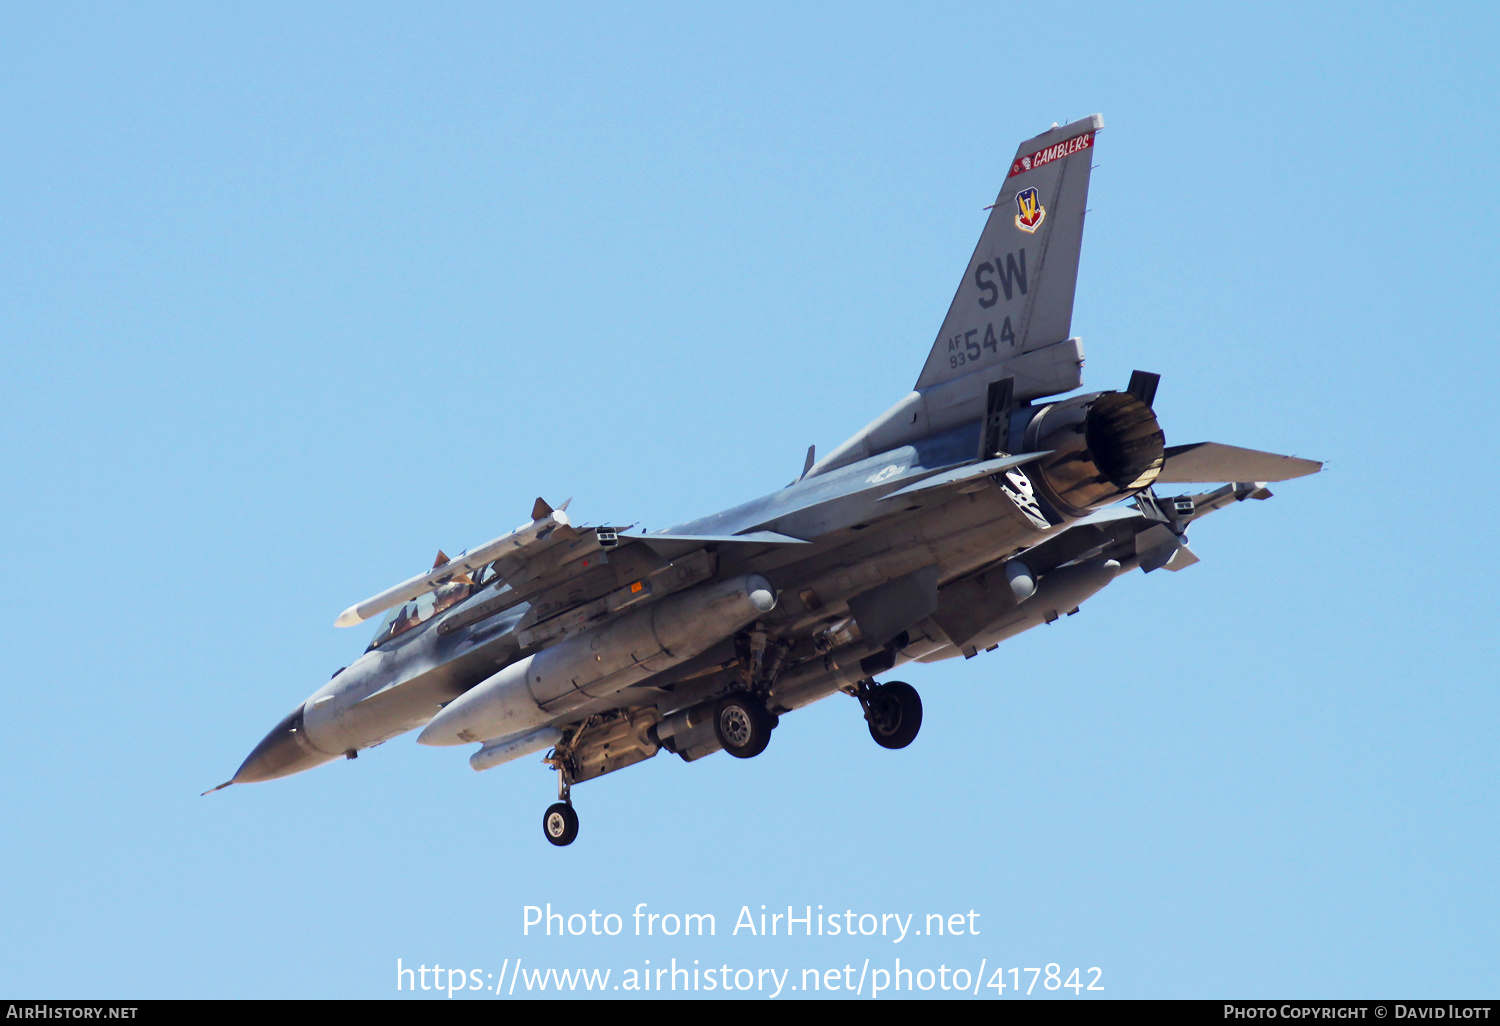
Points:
x=1014 y=307
x=1017 y=294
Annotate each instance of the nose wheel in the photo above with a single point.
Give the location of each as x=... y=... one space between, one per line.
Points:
x=560 y=822
x=893 y=712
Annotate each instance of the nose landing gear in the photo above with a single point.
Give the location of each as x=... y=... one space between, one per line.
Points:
x=893 y=711
x=560 y=822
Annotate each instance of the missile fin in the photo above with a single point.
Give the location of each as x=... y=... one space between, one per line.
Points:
x=1183 y=557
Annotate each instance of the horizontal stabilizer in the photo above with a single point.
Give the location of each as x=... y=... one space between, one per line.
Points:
x=1210 y=461
x=967 y=473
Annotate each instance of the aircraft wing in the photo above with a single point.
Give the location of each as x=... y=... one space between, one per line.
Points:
x=572 y=577
x=605 y=572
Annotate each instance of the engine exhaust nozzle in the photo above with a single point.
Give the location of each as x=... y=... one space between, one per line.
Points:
x=1104 y=447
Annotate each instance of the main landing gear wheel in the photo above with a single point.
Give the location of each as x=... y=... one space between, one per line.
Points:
x=743 y=725
x=560 y=824
x=894 y=713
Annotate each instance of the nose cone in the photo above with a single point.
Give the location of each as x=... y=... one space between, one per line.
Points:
x=284 y=751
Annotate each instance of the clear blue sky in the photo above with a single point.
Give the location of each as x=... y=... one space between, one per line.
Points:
x=293 y=295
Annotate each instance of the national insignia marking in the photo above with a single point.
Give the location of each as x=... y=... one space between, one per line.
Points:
x=1029 y=210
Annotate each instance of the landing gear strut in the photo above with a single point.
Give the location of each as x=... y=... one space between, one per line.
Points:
x=743 y=725
x=893 y=712
x=560 y=822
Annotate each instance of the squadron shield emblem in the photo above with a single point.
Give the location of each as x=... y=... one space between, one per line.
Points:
x=1019 y=489
x=1029 y=210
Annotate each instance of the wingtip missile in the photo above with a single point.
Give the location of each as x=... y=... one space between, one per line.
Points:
x=529 y=535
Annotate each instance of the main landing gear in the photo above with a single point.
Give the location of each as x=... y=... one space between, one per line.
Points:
x=893 y=711
x=743 y=724
x=560 y=822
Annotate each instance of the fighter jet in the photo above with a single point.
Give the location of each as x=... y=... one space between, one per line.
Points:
x=985 y=502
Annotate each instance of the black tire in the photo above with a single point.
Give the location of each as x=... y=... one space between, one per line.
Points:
x=743 y=725
x=560 y=824
x=895 y=714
